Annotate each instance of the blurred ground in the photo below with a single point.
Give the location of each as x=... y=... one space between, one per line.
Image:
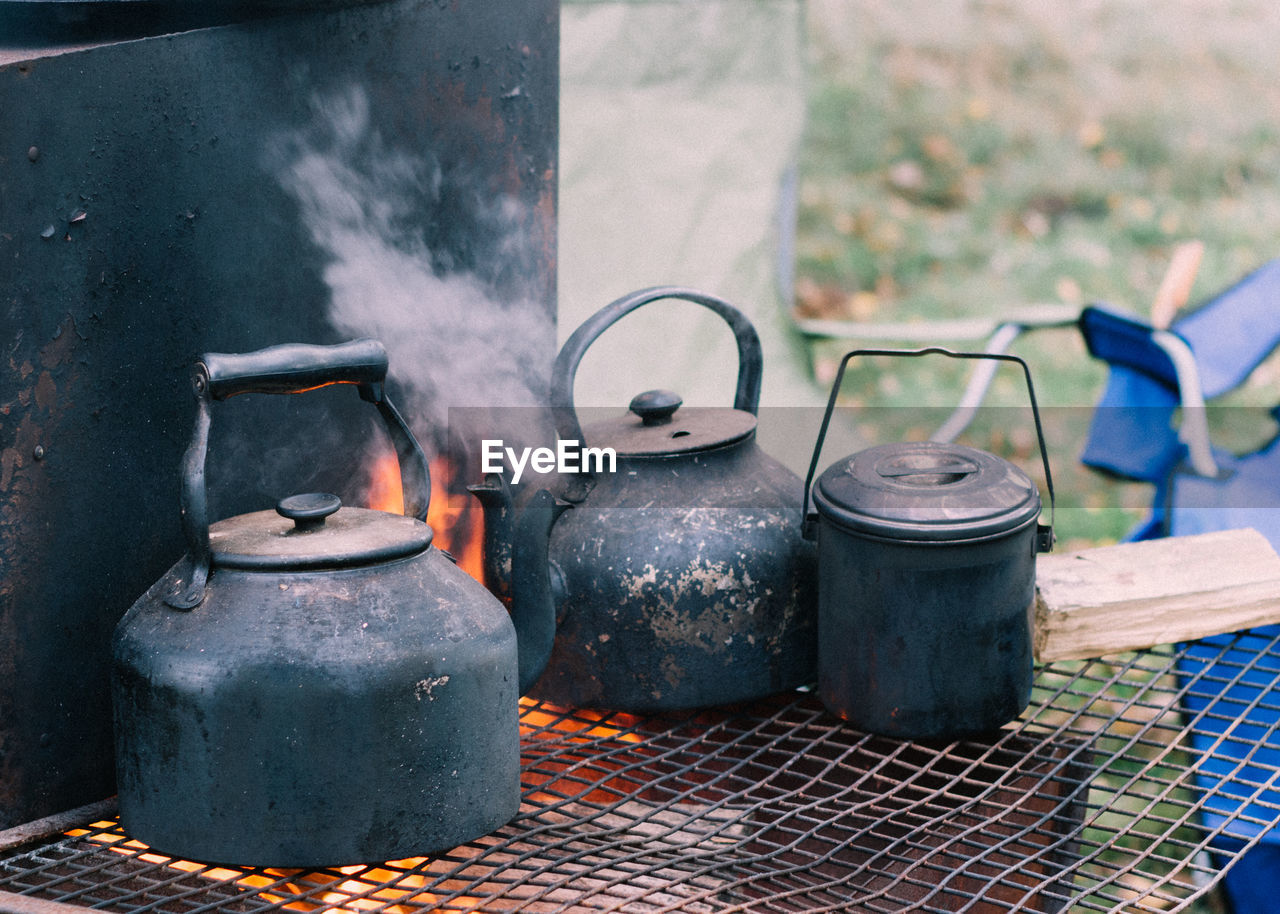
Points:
x=964 y=158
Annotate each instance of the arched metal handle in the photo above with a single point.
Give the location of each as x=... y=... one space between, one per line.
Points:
x=287 y=369
x=565 y=369
x=1044 y=538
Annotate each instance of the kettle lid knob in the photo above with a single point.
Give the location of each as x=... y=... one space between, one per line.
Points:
x=309 y=509
x=655 y=407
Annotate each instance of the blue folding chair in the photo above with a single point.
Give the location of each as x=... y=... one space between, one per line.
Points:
x=1155 y=377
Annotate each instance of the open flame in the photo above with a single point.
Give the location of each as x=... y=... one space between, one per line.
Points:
x=453 y=516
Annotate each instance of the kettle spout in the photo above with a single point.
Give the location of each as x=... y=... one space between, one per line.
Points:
x=497 y=506
x=533 y=597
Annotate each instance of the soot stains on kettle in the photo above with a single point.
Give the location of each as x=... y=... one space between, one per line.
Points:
x=686 y=613
x=683 y=578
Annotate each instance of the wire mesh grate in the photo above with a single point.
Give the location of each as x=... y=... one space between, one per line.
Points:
x=1129 y=784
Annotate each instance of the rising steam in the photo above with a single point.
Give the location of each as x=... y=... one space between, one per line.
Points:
x=454 y=340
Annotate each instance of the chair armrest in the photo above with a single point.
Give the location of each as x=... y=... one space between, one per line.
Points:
x=1127 y=342
x=1194 y=431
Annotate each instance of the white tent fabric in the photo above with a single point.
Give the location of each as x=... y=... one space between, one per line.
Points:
x=680 y=126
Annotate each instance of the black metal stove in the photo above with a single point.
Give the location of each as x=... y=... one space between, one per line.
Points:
x=179 y=177
x=1086 y=805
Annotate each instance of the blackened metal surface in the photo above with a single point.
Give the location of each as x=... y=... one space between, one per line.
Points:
x=294 y=368
x=925 y=640
x=686 y=584
x=838 y=494
x=680 y=579
x=675 y=583
x=1088 y=803
x=536 y=624
x=309 y=718
x=32 y=23
x=143 y=219
x=342 y=538
x=926 y=491
x=681 y=432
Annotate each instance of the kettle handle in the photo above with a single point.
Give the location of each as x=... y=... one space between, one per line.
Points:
x=291 y=368
x=565 y=369
x=286 y=369
x=1044 y=534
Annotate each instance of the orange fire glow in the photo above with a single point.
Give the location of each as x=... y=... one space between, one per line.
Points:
x=455 y=518
x=394 y=888
x=540 y=720
x=597 y=773
x=399 y=886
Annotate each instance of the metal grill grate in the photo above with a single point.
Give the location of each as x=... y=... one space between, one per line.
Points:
x=1090 y=803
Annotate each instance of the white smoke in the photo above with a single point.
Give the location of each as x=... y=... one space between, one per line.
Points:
x=452 y=341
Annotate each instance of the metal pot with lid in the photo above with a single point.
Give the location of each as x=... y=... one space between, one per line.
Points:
x=926 y=579
x=317 y=684
x=680 y=578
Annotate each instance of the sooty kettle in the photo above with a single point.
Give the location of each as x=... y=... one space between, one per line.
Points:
x=926 y=580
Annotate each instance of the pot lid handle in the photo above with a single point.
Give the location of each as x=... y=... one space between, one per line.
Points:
x=1044 y=533
x=565 y=369
x=286 y=369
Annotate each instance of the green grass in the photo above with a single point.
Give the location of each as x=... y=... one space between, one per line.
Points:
x=965 y=159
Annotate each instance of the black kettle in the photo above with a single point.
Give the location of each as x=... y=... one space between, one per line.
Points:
x=680 y=578
x=317 y=684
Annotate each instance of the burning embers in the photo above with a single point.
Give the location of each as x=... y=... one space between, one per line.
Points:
x=396 y=887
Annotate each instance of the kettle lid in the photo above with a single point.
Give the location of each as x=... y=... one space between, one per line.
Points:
x=927 y=491
x=315 y=531
x=655 y=426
